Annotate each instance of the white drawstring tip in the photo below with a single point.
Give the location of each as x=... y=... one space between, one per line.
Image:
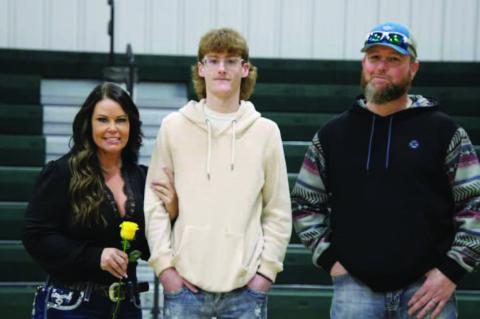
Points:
x=232 y=167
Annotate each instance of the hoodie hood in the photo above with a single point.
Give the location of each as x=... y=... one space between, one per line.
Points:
x=419 y=104
x=246 y=115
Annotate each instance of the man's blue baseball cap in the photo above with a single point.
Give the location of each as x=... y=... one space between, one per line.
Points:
x=394 y=35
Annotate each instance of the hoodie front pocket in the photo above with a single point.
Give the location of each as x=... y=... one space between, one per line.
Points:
x=210 y=258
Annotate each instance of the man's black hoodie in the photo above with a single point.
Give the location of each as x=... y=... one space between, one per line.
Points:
x=391 y=201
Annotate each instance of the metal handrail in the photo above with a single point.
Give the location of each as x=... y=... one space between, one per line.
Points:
x=111 y=31
x=119 y=73
x=131 y=70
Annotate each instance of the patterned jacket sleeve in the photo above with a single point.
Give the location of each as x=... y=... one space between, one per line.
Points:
x=463 y=171
x=310 y=206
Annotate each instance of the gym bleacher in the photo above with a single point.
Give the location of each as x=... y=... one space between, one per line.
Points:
x=40 y=92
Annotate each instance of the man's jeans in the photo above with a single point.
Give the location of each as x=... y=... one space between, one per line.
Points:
x=352 y=299
x=242 y=303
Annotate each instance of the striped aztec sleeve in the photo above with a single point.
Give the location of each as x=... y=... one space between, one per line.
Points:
x=310 y=205
x=463 y=172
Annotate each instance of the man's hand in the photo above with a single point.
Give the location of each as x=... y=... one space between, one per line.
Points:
x=338 y=270
x=432 y=295
x=173 y=282
x=259 y=283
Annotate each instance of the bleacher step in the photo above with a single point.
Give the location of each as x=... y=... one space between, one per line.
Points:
x=19 y=88
x=146 y=94
x=11 y=218
x=22 y=150
x=17 y=183
x=21 y=119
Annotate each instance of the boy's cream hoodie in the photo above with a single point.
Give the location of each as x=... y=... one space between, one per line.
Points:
x=234 y=202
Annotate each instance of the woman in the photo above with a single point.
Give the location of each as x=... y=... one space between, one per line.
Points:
x=72 y=221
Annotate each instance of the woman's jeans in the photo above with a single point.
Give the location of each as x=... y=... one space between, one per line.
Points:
x=55 y=302
x=354 y=300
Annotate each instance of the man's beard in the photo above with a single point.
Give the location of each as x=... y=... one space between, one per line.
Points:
x=386 y=93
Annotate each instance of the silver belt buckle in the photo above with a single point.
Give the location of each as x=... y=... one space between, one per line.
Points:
x=115 y=292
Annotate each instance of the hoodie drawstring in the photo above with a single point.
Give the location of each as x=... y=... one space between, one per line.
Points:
x=387 y=155
x=209 y=151
x=389 y=142
x=232 y=162
x=372 y=129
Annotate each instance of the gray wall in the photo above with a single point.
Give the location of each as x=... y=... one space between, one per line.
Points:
x=447 y=30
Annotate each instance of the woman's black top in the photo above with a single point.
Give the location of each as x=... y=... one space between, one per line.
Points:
x=68 y=251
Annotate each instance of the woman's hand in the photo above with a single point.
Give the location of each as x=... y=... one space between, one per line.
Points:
x=165 y=190
x=115 y=262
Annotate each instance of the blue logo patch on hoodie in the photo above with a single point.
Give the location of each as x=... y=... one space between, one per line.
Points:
x=414 y=144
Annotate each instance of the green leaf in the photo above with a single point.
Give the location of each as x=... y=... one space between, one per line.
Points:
x=134 y=255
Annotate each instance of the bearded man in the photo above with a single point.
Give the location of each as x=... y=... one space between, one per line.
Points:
x=388 y=197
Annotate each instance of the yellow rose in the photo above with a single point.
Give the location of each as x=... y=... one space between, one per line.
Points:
x=128 y=230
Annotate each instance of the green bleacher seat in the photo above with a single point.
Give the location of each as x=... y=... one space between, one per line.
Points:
x=299 y=269
x=294 y=155
x=58 y=64
x=292 y=177
x=458 y=74
x=16 y=183
x=304 y=98
x=468 y=304
x=295 y=302
x=166 y=68
x=80 y=65
x=19 y=88
x=17 y=265
x=472 y=125
x=307 y=71
x=11 y=219
x=16 y=300
x=22 y=150
x=298 y=126
x=441 y=73
x=21 y=119
x=55 y=64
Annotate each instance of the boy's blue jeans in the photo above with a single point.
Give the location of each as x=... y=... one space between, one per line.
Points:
x=242 y=303
x=352 y=299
